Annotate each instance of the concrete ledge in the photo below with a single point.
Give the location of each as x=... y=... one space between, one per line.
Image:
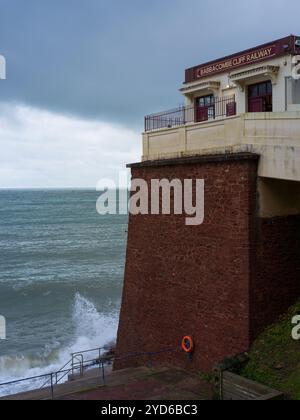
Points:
x=274 y=136
x=189 y=160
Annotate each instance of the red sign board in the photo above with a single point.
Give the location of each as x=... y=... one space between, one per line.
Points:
x=262 y=53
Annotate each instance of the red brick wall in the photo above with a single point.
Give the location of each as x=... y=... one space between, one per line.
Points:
x=221 y=282
x=192 y=280
x=275 y=276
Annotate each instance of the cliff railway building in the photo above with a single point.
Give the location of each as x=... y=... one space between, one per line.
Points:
x=224 y=281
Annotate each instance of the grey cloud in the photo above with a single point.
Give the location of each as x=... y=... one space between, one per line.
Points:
x=45 y=149
x=119 y=60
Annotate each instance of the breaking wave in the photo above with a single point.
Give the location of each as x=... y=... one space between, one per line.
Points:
x=92 y=330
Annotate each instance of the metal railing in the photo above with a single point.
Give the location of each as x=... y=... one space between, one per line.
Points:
x=218 y=107
x=76 y=363
x=51 y=380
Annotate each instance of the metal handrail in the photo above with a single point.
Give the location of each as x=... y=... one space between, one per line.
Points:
x=101 y=362
x=218 y=107
x=80 y=359
x=71 y=362
x=50 y=377
x=89 y=351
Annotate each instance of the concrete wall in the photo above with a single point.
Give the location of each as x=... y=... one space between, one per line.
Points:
x=274 y=136
x=278 y=198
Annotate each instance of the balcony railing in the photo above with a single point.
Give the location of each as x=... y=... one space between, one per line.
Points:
x=218 y=107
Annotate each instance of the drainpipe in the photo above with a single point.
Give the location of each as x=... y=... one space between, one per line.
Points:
x=286 y=92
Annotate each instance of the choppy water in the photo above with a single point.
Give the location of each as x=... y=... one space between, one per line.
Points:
x=61 y=275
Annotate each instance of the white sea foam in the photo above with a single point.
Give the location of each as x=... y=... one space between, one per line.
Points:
x=92 y=330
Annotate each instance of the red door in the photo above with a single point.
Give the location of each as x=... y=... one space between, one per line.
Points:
x=256 y=105
x=260 y=97
x=201 y=114
x=205 y=108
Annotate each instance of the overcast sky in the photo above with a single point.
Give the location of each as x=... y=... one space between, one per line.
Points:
x=82 y=74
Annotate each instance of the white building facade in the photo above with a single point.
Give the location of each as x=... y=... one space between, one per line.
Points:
x=246 y=102
x=263 y=79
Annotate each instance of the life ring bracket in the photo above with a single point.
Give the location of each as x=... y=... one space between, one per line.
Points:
x=188 y=344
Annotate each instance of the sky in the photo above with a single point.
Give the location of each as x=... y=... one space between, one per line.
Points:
x=81 y=75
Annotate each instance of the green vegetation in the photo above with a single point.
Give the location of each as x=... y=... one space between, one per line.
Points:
x=275 y=357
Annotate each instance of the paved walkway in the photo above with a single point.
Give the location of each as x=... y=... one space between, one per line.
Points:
x=148 y=384
x=130 y=384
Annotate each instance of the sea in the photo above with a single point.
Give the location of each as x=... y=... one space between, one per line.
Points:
x=61 y=277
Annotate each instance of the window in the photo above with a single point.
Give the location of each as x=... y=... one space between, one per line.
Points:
x=253 y=91
x=205 y=100
x=260 y=97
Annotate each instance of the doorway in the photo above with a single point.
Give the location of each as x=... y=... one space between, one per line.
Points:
x=260 y=97
x=205 y=108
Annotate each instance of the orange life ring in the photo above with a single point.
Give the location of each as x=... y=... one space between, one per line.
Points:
x=187 y=344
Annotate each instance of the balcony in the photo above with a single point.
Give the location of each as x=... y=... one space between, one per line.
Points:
x=217 y=108
x=275 y=136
